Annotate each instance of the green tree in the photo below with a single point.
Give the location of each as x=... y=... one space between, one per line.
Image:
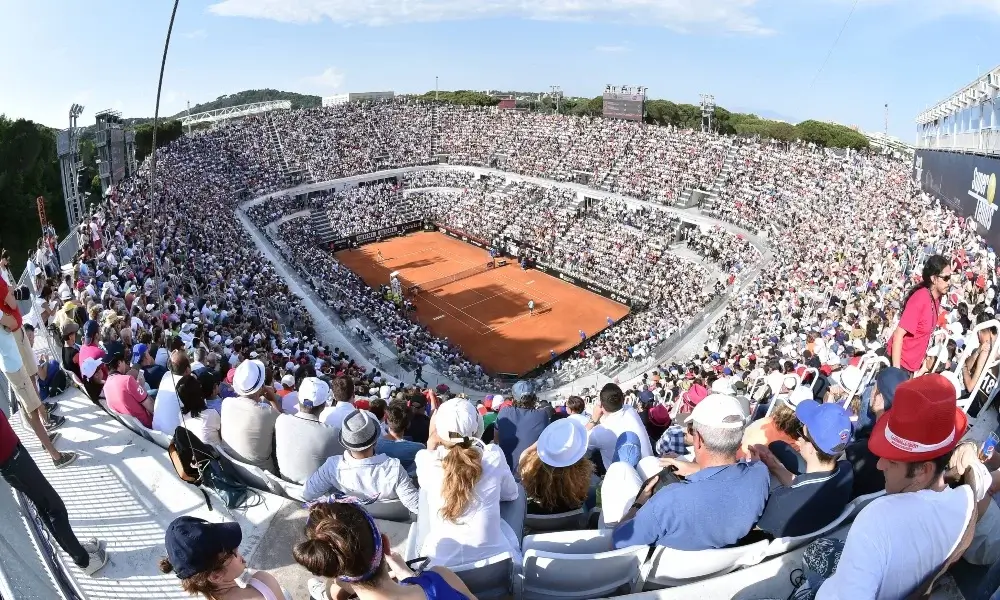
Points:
x=166 y=132
x=29 y=168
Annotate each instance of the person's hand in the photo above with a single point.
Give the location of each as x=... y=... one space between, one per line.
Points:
x=597 y=413
x=647 y=492
x=683 y=467
x=763 y=454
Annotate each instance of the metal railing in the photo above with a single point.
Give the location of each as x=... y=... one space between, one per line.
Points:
x=986 y=141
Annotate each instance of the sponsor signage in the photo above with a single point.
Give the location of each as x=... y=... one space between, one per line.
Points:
x=966 y=183
x=461 y=235
x=588 y=285
x=368 y=237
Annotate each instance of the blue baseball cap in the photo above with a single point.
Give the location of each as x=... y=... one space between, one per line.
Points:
x=522 y=388
x=138 y=351
x=193 y=545
x=887 y=380
x=829 y=425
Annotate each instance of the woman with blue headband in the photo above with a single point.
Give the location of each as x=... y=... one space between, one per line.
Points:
x=343 y=544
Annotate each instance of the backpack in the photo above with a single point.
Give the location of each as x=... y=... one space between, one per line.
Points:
x=198 y=463
x=58 y=384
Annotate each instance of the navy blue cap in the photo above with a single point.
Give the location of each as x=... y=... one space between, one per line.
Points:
x=523 y=388
x=829 y=425
x=194 y=545
x=887 y=380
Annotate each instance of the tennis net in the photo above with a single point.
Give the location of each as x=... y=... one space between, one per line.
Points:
x=440 y=281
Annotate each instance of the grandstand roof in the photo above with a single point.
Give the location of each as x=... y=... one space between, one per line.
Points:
x=235 y=112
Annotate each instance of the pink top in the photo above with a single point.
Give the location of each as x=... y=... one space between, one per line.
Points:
x=125 y=396
x=918 y=321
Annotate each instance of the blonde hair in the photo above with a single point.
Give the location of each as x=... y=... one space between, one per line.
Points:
x=463 y=468
x=554 y=488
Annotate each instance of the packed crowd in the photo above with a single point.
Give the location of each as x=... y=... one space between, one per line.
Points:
x=175 y=320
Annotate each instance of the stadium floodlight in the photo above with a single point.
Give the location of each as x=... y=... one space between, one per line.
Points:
x=707 y=110
x=76 y=110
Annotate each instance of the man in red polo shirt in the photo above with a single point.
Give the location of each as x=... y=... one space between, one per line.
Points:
x=20 y=471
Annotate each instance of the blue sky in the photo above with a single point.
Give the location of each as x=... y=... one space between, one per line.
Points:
x=761 y=55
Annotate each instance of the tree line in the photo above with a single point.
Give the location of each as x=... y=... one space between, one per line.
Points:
x=685 y=116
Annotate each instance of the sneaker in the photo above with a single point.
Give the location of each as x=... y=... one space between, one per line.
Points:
x=317 y=588
x=54 y=436
x=64 y=459
x=55 y=422
x=98 y=556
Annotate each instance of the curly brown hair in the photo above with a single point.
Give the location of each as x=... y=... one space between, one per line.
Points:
x=784 y=420
x=199 y=583
x=555 y=488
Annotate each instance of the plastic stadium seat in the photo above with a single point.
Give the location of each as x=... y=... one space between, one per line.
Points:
x=553 y=575
x=159 y=438
x=566 y=521
x=787 y=544
x=860 y=502
x=493 y=578
x=252 y=475
x=668 y=567
x=390 y=510
x=288 y=489
x=588 y=541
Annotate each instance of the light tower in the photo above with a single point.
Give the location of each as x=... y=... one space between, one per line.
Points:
x=68 y=150
x=707 y=110
x=556 y=94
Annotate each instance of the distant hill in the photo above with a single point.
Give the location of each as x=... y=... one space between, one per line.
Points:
x=251 y=96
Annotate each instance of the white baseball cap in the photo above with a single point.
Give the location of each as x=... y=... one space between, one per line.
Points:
x=313 y=392
x=718 y=410
x=458 y=416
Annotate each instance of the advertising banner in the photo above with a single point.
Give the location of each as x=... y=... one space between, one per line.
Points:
x=588 y=285
x=461 y=235
x=361 y=239
x=966 y=183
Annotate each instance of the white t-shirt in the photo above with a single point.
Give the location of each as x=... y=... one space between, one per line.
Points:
x=604 y=437
x=166 y=406
x=897 y=541
x=333 y=416
x=206 y=426
x=478 y=534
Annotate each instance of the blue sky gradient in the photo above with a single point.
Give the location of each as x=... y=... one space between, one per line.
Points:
x=761 y=55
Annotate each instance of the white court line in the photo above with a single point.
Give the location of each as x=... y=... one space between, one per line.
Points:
x=529 y=282
x=438 y=317
x=517 y=285
x=518 y=318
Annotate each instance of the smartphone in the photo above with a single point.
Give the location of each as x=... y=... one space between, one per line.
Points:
x=986 y=450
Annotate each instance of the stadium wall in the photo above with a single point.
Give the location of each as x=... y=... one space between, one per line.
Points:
x=966 y=183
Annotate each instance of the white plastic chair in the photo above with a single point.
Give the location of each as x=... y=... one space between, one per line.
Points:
x=556 y=576
x=569 y=520
x=132 y=423
x=159 y=438
x=251 y=475
x=288 y=489
x=668 y=567
x=787 y=544
x=493 y=578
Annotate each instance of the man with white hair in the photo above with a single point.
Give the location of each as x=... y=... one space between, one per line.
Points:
x=686 y=517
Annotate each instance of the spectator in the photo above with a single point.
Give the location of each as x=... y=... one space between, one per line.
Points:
x=166 y=407
x=359 y=472
x=126 y=395
x=809 y=501
x=248 y=422
x=19 y=470
x=341 y=403
x=206 y=558
x=394 y=443
x=204 y=422
x=344 y=545
x=289 y=399
x=555 y=472
x=868 y=478
x=152 y=372
x=518 y=426
x=465 y=482
x=301 y=442
x=686 y=517
x=920 y=316
x=612 y=419
x=70 y=352
x=782 y=425
x=898 y=541
x=419 y=428
x=576 y=408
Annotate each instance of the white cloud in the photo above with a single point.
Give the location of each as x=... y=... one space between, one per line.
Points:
x=197 y=34
x=329 y=80
x=612 y=49
x=680 y=15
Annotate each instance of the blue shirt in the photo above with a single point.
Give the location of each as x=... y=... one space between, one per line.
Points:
x=689 y=515
x=434 y=586
x=811 y=503
x=404 y=450
x=517 y=429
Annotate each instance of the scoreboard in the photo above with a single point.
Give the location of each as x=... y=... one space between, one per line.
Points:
x=625 y=102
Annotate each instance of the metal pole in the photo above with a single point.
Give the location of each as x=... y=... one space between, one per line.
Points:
x=189 y=114
x=435 y=88
x=156 y=123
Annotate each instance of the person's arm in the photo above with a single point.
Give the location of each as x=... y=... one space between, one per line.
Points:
x=638 y=526
x=272 y=398
x=272 y=583
x=322 y=482
x=970 y=375
x=897 y=346
x=763 y=453
x=406 y=491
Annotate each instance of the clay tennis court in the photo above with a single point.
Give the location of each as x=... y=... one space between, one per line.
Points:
x=486 y=314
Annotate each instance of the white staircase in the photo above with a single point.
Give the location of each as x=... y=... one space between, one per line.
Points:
x=712 y=198
x=293 y=174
